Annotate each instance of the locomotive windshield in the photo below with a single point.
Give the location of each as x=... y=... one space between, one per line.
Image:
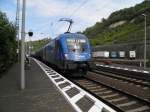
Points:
x=77 y=45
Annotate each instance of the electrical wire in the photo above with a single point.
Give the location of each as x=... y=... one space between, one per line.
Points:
x=78 y=8
x=75 y=11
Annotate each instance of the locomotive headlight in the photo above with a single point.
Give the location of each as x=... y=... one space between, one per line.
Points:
x=66 y=56
x=89 y=55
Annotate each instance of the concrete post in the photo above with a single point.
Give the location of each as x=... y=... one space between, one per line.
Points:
x=23 y=46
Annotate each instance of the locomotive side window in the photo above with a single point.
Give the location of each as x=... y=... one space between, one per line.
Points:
x=77 y=45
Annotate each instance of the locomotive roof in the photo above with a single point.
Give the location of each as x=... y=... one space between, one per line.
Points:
x=65 y=35
x=72 y=35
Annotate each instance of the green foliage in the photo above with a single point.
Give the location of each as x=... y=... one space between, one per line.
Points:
x=39 y=44
x=7 y=42
x=130 y=31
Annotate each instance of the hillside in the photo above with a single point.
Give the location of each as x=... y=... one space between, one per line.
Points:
x=125 y=25
x=36 y=45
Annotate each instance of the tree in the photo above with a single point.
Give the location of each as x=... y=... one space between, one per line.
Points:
x=7 y=42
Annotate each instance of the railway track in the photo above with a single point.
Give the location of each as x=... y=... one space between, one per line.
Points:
x=130 y=80
x=117 y=99
x=125 y=73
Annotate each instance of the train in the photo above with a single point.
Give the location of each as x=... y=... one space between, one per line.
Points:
x=69 y=52
x=114 y=54
x=117 y=57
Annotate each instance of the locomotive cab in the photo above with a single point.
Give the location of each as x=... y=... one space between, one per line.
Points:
x=77 y=53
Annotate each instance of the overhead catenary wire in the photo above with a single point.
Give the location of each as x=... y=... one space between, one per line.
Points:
x=55 y=27
x=58 y=26
x=75 y=11
x=81 y=6
x=78 y=8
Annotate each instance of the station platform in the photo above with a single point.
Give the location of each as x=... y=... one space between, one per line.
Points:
x=40 y=94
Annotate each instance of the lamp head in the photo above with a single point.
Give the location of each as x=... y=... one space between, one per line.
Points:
x=143 y=14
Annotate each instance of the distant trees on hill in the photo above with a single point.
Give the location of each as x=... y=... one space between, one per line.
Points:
x=37 y=44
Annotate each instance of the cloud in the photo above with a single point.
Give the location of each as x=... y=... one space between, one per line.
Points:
x=89 y=13
x=49 y=7
x=85 y=13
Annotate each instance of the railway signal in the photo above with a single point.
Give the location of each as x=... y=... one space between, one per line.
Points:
x=30 y=33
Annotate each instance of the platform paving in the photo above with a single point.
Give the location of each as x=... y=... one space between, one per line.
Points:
x=40 y=95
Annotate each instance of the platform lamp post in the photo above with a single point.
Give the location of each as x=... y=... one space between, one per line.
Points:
x=23 y=46
x=18 y=27
x=145 y=42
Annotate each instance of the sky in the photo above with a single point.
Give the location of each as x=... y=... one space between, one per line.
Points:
x=42 y=16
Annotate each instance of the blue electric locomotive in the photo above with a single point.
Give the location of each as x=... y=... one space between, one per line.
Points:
x=69 y=52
